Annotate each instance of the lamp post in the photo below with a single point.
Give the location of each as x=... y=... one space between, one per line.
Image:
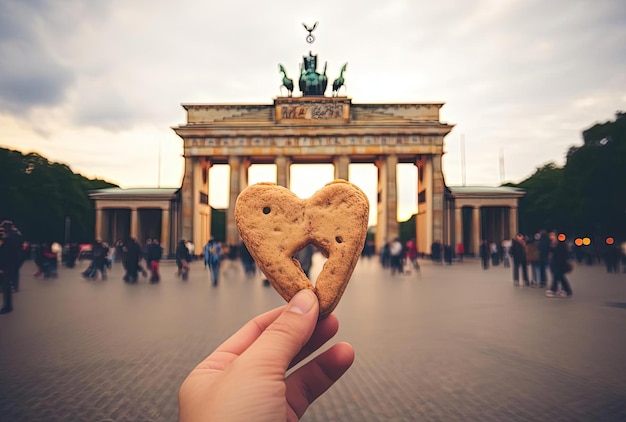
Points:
x=67 y=229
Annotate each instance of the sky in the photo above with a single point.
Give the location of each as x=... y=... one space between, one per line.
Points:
x=98 y=85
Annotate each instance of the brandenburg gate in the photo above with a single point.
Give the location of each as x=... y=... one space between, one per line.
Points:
x=314 y=129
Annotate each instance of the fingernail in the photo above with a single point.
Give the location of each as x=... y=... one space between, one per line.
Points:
x=302 y=302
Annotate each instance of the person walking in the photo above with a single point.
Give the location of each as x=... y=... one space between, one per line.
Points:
x=559 y=265
x=484 y=254
x=544 y=251
x=132 y=255
x=411 y=254
x=182 y=260
x=518 y=252
x=460 y=251
x=212 y=256
x=532 y=257
x=98 y=262
x=154 y=253
x=10 y=261
x=395 y=253
x=249 y=266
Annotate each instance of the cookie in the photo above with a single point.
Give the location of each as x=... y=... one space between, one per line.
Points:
x=275 y=224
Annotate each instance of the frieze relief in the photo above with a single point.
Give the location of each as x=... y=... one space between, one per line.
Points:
x=306 y=141
x=314 y=111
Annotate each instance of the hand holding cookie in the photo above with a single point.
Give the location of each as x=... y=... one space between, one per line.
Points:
x=275 y=224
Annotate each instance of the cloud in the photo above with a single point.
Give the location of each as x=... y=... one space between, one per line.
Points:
x=90 y=81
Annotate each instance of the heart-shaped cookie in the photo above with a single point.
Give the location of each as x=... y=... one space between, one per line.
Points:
x=275 y=224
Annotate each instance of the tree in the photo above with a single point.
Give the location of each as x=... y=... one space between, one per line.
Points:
x=38 y=196
x=587 y=196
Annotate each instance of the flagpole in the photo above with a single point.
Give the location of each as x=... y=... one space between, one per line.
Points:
x=159 y=167
x=463 y=158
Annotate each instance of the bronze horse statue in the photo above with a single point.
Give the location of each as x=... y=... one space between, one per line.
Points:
x=287 y=83
x=339 y=82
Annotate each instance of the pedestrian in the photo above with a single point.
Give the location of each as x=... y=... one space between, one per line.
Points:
x=182 y=260
x=10 y=261
x=50 y=261
x=559 y=265
x=460 y=251
x=544 y=251
x=611 y=256
x=411 y=254
x=131 y=255
x=484 y=254
x=385 y=257
x=532 y=257
x=447 y=253
x=518 y=253
x=495 y=256
x=249 y=266
x=98 y=262
x=154 y=253
x=213 y=256
x=395 y=256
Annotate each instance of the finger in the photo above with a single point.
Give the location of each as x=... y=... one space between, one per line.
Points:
x=284 y=338
x=324 y=331
x=310 y=381
x=240 y=341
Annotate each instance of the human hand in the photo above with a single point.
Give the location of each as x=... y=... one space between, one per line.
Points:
x=244 y=378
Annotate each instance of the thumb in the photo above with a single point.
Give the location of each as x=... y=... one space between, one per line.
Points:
x=281 y=341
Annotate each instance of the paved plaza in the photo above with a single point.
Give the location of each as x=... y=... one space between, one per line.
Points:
x=450 y=343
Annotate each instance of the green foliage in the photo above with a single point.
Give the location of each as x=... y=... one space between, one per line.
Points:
x=588 y=195
x=39 y=195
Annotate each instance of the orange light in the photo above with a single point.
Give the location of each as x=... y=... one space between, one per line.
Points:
x=610 y=240
x=561 y=237
x=586 y=241
x=578 y=241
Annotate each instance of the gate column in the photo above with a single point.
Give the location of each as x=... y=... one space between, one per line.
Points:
x=476 y=230
x=187 y=205
x=232 y=235
x=342 y=167
x=165 y=231
x=282 y=171
x=387 y=227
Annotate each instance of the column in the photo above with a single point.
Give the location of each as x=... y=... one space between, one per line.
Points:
x=458 y=226
x=282 y=171
x=476 y=230
x=187 y=204
x=232 y=235
x=438 y=197
x=134 y=226
x=243 y=173
x=512 y=222
x=428 y=186
x=98 y=223
x=381 y=211
x=165 y=231
x=342 y=167
x=391 y=198
x=198 y=183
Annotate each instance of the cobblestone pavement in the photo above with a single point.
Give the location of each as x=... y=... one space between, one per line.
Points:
x=446 y=344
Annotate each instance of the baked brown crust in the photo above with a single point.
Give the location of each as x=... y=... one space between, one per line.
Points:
x=275 y=224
